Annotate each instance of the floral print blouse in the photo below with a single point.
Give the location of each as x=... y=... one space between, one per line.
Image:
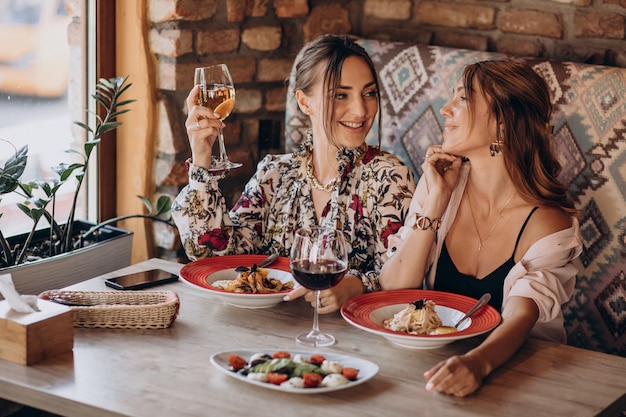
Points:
x=369 y=202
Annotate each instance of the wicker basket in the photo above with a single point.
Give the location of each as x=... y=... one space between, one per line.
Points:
x=119 y=310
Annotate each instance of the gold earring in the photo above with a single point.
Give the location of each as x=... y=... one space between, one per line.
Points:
x=495 y=149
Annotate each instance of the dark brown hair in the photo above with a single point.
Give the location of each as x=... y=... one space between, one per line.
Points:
x=519 y=100
x=326 y=55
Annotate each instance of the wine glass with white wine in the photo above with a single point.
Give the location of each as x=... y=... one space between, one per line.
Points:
x=217 y=92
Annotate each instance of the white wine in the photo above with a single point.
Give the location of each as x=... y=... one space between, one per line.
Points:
x=217 y=92
x=221 y=99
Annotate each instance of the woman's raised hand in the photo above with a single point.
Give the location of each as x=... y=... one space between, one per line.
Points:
x=441 y=170
x=202 y=124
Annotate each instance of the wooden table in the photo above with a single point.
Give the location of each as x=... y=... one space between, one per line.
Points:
x=167 y=372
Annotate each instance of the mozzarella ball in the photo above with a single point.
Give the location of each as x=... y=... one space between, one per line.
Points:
x=299 y=358
x=331 y=367
x=293 y=382
x=257 y=376
x=334 y=380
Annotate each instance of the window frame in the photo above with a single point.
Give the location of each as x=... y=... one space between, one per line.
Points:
x=105 y=63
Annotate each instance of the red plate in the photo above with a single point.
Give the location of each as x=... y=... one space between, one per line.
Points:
x=202 y=273
x=367 y=311
x=196 y=272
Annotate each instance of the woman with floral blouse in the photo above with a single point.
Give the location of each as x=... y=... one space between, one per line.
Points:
x=335 y=180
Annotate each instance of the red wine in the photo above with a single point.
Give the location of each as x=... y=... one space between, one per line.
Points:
x=318 y=276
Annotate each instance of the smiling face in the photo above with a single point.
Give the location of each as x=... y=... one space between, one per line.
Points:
x=469 y=126
x=348 y=112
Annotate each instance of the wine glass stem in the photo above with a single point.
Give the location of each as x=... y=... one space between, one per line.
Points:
x=223 y=156
x=316 y=327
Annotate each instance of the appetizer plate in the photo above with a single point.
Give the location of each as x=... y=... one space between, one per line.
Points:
x=203 y=273
x=369 y=311
x=367 y=369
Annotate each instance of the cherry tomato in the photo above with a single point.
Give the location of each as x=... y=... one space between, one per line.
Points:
x=312 y=380
x=276 y=378
x=281 y=355
x=236 y=362
x=350 y=373
x=317 y=359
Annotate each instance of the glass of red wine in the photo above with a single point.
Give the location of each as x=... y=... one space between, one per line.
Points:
x=319 y=260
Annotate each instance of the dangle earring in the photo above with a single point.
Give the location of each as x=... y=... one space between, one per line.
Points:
x=495 y=148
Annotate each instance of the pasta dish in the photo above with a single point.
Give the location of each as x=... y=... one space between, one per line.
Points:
x=419 y=317
x=254 y=280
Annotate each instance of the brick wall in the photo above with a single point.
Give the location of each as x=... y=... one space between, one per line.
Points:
x=259 y=39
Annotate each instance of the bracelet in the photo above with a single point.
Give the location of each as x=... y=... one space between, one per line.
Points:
x=423 y=223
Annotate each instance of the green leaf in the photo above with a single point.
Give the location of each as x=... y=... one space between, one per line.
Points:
x=103 y=82
x=89 y=146
x=94 y=114
x=125 y=102
x=84 y=126
x=109 y=126
x=36 y=214
x=65 y=174
x=122 y=89
x=117 y=113
x=25 y=209
x=28 y=187
x=46 y=188
x=100 y=100
x=164 y=205
x=39 y=202
x=13 y=169
x=146 y=202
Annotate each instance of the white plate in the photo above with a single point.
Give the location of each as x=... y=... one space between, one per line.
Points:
x=202 y=273
x=367 y=369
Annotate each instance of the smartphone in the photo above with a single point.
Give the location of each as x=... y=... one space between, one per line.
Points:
x=139 y=280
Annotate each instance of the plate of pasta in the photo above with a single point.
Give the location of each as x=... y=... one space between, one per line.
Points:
x=418 y=319
x=255 y=288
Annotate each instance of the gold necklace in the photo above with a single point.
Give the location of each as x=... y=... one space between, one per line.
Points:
x=481 y=241
x=328 y=187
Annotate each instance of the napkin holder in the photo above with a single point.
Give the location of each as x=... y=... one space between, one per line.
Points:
x=27 y=339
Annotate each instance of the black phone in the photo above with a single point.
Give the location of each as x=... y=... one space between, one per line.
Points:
x=139 y=280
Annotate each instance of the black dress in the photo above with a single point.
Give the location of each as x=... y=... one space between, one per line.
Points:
x=448 y=278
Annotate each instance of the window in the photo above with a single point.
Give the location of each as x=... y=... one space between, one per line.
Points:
x=42 y=91
x=34 y=73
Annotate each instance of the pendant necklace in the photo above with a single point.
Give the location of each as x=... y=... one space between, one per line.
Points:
x=480 y=240
x=328 y=187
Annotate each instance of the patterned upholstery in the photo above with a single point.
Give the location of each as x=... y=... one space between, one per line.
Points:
x=589 y=126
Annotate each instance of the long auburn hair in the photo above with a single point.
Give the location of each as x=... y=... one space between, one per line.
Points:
x=328 y=53
x=519 y=99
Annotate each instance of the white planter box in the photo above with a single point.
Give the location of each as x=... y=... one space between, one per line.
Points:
x=110 y=254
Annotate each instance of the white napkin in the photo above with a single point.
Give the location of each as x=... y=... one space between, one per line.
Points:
x=17 y=302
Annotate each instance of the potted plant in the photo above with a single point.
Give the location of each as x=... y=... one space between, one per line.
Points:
x=65 y=253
